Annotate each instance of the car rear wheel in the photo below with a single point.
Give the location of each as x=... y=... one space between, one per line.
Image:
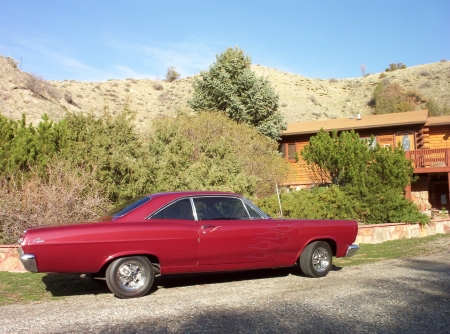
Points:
x=130 y=277
x=316 y=259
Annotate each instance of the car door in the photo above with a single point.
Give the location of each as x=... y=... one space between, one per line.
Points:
x=230 y=232
x=175 y=234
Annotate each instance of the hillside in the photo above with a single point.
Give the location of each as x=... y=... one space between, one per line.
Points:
x=301 y=98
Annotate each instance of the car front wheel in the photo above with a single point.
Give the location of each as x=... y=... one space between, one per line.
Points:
x=130 y=277
x=316 y=258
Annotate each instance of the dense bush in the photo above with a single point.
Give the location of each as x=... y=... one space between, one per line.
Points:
x=317 y=203
x=231 y=87
x=391 y=98
x=435 y=109
x=109 y=146
x=63 y=194
x=372 y=177
x=211 y=152
x=393 y=67
x=22 y=145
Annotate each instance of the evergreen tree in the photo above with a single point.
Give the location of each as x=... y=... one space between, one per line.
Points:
x=230 y=86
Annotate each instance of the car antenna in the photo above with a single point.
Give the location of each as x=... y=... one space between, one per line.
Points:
x=279 y=200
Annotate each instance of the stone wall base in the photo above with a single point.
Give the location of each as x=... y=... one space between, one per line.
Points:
x=367 y=234
x=375 y=234
x=9 y=259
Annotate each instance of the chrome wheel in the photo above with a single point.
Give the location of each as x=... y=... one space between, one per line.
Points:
x=316 y=258
x=320 y=259
x=131 y=275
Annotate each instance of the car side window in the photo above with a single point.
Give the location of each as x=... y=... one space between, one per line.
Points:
x=181 y=209
x=220 y=208
x=252 y=212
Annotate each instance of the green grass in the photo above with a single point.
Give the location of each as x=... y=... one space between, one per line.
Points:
x=28 y=287
x=395 y=249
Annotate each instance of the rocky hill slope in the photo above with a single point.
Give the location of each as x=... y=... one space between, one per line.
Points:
x=301 y=98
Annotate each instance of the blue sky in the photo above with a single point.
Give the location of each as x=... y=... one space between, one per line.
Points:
x=101 y=40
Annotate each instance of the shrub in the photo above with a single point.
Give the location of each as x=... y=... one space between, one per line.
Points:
x=393 y=67
x=12 y=62
x=392 y=98
x=315 y=203
x=372 y=177
x=211 y=152
x=172 y=74
x=426 y=84
x=157 y=85
x=62 y=194
x=23 y=146
x=39 y=87
x=435 y=109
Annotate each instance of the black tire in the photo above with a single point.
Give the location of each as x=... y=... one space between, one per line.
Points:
x=130 y=277
x=316 y=259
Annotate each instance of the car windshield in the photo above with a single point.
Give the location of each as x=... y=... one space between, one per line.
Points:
x=124 y=208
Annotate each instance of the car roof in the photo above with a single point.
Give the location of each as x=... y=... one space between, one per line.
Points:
x=176 y=194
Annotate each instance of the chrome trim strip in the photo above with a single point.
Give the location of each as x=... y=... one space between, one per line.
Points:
x=29 y=262
x=351 y=250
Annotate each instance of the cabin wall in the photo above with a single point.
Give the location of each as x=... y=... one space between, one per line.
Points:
x=439 y=136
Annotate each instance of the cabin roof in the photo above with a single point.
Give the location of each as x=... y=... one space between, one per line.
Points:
x=438 y=120
x=365 y=122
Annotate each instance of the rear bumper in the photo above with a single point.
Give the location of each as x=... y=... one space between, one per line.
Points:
x=351 y=250
x=28 y=261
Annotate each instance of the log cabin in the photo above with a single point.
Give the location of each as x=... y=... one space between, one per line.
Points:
x=424 y=139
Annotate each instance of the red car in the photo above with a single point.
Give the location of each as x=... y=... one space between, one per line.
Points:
x=184 y=232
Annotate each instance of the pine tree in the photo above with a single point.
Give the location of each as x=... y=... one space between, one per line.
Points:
x=230 y=86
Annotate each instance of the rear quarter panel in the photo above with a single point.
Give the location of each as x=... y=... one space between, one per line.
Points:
x=297 y=234
x=85 y=248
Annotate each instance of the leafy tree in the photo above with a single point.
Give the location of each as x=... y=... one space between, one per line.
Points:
x=230 y=86
x=372 y=176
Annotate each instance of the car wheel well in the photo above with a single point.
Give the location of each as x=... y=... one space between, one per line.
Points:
x=152 y=258
x=330 y=242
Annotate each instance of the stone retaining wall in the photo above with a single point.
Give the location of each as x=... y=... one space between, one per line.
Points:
x=374 y=234
x=9 y=259
x=367 y=234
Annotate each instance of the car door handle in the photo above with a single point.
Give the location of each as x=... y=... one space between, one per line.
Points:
x=208 y=226
x=213 y=227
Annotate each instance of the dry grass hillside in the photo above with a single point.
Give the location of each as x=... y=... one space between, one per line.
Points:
x=301 y=98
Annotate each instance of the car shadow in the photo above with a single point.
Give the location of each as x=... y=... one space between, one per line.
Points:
x=60 y=285
x=73 y=285
x=182 y=280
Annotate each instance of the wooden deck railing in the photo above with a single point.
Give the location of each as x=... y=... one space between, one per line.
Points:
x=429 y=158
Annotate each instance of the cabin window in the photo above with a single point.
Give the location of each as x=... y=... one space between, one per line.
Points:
x=406 y=143
x=288 y=151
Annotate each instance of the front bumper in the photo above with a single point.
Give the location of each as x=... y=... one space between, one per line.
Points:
x=351 y=250
x=28 y=261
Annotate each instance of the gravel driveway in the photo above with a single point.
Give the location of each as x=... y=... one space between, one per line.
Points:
x=396 y=296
